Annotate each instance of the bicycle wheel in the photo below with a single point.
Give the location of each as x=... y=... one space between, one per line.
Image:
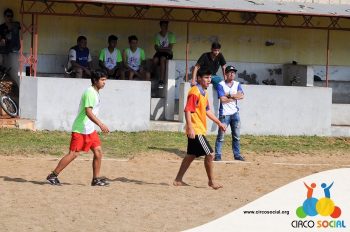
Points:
x=9 y=106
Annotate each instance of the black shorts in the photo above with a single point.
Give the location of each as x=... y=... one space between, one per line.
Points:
x=163 y=54
x=199 y=146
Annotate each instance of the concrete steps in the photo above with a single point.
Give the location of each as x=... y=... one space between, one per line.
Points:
x=166 y=126
x=8 y=122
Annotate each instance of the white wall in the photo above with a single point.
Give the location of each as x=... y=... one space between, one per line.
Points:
x=341 y=114
x=277 y=110
x=53 y=103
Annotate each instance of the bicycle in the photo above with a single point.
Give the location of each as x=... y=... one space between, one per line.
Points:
x=6 y=102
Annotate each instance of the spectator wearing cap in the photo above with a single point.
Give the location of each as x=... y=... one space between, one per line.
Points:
x=211 y=60
x=9 y=35
x=229 y=92
x=110 y=59
x=79 y=60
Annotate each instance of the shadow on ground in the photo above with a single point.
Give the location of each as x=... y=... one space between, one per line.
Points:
x=175 y=151
x=21 y=180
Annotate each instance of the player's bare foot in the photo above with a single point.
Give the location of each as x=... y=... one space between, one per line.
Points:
x=215 y=185
x=179 y=183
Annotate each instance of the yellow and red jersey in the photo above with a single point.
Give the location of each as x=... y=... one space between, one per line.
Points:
x=198 y=105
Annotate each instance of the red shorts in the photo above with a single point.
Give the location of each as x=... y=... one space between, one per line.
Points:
x=81 y=142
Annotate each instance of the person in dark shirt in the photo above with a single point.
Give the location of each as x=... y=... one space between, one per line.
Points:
x=9 y=35
x=212 y=61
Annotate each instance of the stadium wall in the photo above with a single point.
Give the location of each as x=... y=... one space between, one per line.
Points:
x=276 y=110
x=53 y=103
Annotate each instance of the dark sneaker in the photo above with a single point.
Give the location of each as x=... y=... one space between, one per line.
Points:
x=99 y=182
x=161 y=85
x=52 y=178
x=239 y=158
x=217 y=159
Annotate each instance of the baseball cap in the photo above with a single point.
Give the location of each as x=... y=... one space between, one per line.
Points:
x=230 y=68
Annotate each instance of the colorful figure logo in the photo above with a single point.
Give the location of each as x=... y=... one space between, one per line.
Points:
x=323 y=206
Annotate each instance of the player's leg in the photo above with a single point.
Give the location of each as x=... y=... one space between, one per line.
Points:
x=186 y=162
x=209 y=168
x=96 y=163
x=53 y=176
x=131 y=74
x=208 y=161
x=65 y=161
x=97 y=160
x=144 y=75
x=120 y=72
x=235 y=131
x=78 y=72
x=162 y=65
x=220 y=139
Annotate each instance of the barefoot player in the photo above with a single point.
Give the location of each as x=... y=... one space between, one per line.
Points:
x=196 y=111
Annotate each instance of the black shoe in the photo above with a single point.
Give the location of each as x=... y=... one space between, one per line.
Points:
x=52 y=178
x=161 y=85
x=239 y=158
x=217 y=159
x=99 y=182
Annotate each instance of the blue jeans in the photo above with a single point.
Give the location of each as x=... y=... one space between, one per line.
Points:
x=215 y=80
x=235 y=123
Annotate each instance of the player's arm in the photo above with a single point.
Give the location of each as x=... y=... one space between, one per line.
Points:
x=189 y=127
x=223 y=67
x=216 y=120
x=238 y=96
x=92 y=117
x=194 y=74
x=226 y=99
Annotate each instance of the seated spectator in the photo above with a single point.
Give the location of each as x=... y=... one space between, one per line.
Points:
x=80 y=62
x=9 y=36
x=164 y=42
x=110 y=59
x=133 y=57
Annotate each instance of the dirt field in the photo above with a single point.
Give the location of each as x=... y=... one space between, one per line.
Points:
x=141 y=196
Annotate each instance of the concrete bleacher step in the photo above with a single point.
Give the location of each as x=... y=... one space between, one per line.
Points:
x=26 y=124
x=340 y=131
x=166 y=126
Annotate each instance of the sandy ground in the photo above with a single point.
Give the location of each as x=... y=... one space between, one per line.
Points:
x=141 y=196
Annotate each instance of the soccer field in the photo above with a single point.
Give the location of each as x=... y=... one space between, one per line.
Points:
x=141 y=196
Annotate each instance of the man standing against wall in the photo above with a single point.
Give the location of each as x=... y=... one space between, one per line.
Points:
x=212 y=61
x=229 y=91
x=10 y=43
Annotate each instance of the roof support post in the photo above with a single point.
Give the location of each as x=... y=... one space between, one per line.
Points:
x=187 y=48
x=327 y=61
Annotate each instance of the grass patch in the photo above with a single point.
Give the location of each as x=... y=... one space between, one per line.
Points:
x=122 y=144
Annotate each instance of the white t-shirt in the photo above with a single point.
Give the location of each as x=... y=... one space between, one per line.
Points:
x=223 y=89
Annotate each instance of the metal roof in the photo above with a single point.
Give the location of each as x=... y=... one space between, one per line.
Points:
x=266 y=6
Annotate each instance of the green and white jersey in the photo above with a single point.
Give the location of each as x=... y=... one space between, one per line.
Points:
x=109 y=59
x=164 y=42
x=82 y=124
x=134 y=59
